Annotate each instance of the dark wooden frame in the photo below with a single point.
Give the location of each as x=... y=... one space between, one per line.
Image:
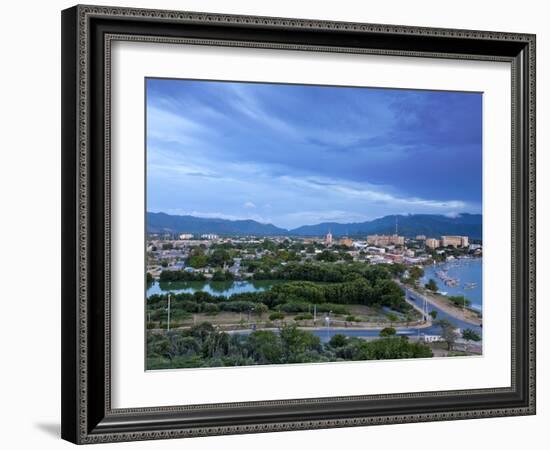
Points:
x=87 y=32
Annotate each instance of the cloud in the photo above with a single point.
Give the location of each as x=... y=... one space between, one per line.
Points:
x=371 y=193
x=308 y=154
x=453 y=215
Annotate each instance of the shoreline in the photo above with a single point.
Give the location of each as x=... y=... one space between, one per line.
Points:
x=466 y=315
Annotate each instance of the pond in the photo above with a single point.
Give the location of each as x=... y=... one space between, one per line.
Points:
x=225 y=288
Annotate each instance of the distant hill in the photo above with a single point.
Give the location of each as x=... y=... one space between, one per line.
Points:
x=165 y=223
x=431 y=225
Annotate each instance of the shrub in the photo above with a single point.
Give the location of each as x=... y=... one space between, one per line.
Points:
x=304 y=316
x=471 y=335
x=387 y=332
x=210 y=308
x=276 y=316
x=459 y=300
x=338 y=340
x=294 y=307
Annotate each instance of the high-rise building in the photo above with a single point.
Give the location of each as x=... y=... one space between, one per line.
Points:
x=454 y=241
x=432 y=243
x=385 y=240
x=328 y=238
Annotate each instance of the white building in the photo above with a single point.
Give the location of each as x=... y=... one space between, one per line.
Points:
x=209 y=236
x=429 y=338
x=377 y=250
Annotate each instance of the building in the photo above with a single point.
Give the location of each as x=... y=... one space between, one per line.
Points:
x=429 y=338
x=454 y=241
x=432 y=243
x=385 y=240
x=377 y=259
x=420 y=237
x=185 y=236
x=377 y=250
x=414 y=260
x=394 y=258
x=346 y=241
x=328 y=238
x=309 y=240
x=210 y=237
x=360 y=244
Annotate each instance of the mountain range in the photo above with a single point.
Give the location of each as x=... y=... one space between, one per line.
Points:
x=431 y=225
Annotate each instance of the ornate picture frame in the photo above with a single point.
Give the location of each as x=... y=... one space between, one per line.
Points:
x=87 y=35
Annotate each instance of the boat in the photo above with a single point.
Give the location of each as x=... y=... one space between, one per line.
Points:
x=449 y=281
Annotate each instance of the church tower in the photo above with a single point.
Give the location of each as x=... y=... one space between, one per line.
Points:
x=328 y=238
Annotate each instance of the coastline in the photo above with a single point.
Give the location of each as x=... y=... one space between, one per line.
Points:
x=465 y=315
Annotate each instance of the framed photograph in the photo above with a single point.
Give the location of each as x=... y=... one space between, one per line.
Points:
x=279 y=224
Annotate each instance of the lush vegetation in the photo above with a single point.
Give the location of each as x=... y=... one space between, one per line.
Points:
x=265 y=269
x=471 y=335
x=321 y=286
x=374 y=289
x=180 y=275
x=459 y=300
x=204 y=346
x=448 y=332
x=431 y=285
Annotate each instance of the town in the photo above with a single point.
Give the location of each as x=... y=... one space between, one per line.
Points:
x=362 y=292
x=248 y=257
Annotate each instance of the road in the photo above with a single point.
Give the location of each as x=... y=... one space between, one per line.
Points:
x=418 y=300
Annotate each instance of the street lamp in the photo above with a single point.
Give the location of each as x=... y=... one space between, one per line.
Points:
x=314 y=315
x=249 y=313
x=327 y=321
x=169 y=299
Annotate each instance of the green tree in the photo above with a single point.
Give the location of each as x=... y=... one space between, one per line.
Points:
x=433 y=313
x=460 y=300
x=448 y=332
x=220 y=275
x=327 y=256
x=416 y=272
x=392 y=317
x=198 y=261
x=338 y=340
x=471 y=335
x=431 y=285
x=276 y=316
x=296 y=343
x=219 y=257
x=387 y=332
x=265 y=347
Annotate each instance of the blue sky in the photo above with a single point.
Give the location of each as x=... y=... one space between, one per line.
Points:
x=295 y=155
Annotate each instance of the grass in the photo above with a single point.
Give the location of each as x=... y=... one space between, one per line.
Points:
x=358 y=314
